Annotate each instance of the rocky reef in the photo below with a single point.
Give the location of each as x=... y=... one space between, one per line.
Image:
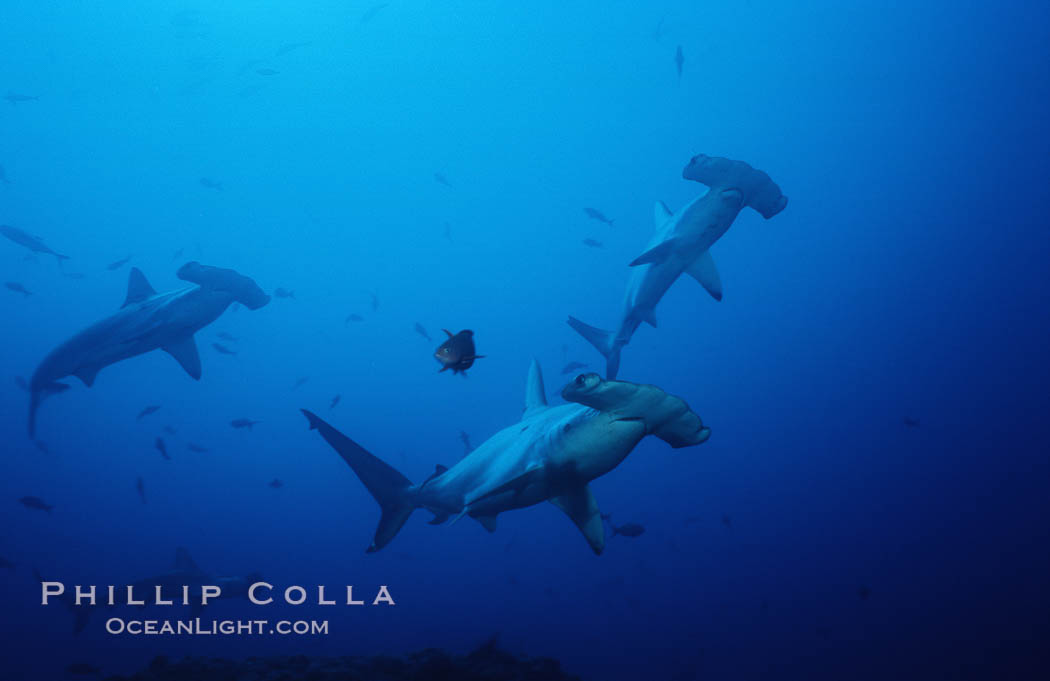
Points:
x=487 y=663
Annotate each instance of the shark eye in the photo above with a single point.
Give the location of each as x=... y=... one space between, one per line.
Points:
x=581 y=380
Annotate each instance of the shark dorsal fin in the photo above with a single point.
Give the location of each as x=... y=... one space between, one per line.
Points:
x=138 y=288
x=661 y=213
x=535 y=395
x=183 y=562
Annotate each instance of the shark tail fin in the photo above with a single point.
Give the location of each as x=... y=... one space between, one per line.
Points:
x=759 y=191
x=38 y=396
x=603 y=341
x=395 y=494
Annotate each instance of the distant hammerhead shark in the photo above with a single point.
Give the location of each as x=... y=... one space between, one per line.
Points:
x=146 y=321
x=680 y=244
x=550 y=455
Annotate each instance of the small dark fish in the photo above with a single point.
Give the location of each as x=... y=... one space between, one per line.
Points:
x=21 y=383
x=910 y=422
x=595 y=214
x=35 y=503
x=151 y=409
x=226 y=337
x=422 y=332
x=692 y=519
x=41 y=446
x=375 y=301
x=178 y=254
x=300 y=382
x=26 y=240
x=140 y=487
x=193 y=447
x=864 y=592
x=169 y=430
x=592 y=243
x=572 y=366
x=243 y=423
x=448 y=232
x=276 y=483
x=335 y=401
x=285 y=49
x=73 y=275
x=354 y=318
x=284 y=293
x=465 y=439
x=371 y=12
x=83 y=669
x=15 y=98
x=679 y=59
x=6 y=564
x=457 y=352
x=267 y=72
x=222 y=349
x=162 y=448
x=116 y=265
x=627 y=530
x=727 y=521
x=658 y=32
x=18 y=288
x=441 y=179
x=3 y=176
x=208 y=183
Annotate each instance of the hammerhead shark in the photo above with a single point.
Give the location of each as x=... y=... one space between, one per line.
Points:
x=550 y=455
x=146 y=321
x=680 y=244
x=185 y=573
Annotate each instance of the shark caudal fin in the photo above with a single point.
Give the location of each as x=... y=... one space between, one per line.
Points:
x=36 y=396
x=243 y=289
x=603 y=341
x=394 y=493
x=759 y=191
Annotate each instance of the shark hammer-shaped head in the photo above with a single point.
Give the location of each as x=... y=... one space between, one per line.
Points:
x=665 y=416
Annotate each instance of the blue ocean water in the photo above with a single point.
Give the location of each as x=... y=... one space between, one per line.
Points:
x=873 y=500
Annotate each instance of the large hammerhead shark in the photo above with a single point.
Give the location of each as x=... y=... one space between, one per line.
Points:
x=680 y=244
x=550 y=455
x=146 y=321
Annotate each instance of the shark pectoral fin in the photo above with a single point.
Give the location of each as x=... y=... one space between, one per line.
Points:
x=487 y=521
x=138 y=288
x=535 y=395
x=661 y=213
x=657 y=254
x=87 y=375
x=650 y=317
x=185 y=353
x=579 y=504
x=704 y=271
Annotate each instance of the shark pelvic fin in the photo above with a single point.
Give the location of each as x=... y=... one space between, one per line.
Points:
x=661 y=213
x=650 y=317
x=487 y=521
x=657 y=254
x=438 y=518
x=537 y=475
x=704 y=271
x=138 y=288
x=185 y=353
x=535 y=395
x=579 y=504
